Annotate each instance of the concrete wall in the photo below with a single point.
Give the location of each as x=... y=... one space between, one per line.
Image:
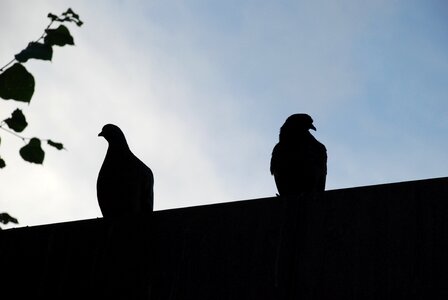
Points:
x=377 y=242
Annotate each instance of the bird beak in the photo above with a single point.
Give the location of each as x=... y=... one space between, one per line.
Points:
x=100 y=134
x=312 y=127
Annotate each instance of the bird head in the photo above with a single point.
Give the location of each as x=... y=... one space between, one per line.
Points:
x=113 y=134
x=296 y=124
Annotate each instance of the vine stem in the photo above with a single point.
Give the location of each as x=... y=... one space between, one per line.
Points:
x=2 y=68
x=24 y=139
x=36 y=41
x=43 y=34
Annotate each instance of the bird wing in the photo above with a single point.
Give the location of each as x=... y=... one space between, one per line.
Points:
x=145 y=188
x=299 y=167
x=320 y=164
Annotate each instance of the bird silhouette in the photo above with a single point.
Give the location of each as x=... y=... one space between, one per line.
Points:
x=125 y=184
x=299 y=161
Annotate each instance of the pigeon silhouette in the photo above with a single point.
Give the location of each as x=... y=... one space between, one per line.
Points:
x=299 y=161
x=125 y=184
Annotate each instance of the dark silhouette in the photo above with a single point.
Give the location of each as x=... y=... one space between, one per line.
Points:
x=385 y=241
x=299 y=161
x=125 y=183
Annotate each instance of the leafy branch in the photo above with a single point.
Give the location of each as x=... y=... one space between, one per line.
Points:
x=17 y=84
x=59 y=36
x=32 y=151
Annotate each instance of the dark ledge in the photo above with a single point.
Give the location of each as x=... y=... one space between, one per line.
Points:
x=375 y=242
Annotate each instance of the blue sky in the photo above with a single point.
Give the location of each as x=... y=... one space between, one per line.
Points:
x=201 y=88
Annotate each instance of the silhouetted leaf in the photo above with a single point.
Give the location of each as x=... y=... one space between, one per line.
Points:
x=16 y=83
x=72 y=13
x=17 y=122
x=5 y=218
x=35 y=50
x=59 y=36
x=58 y=146
x=32 y=152
x=52 y=17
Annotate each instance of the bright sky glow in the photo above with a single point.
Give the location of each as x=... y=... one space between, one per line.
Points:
x=201 y=88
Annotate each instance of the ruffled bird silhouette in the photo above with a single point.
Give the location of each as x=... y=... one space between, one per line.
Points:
x=299 y=161
x=125 y=184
